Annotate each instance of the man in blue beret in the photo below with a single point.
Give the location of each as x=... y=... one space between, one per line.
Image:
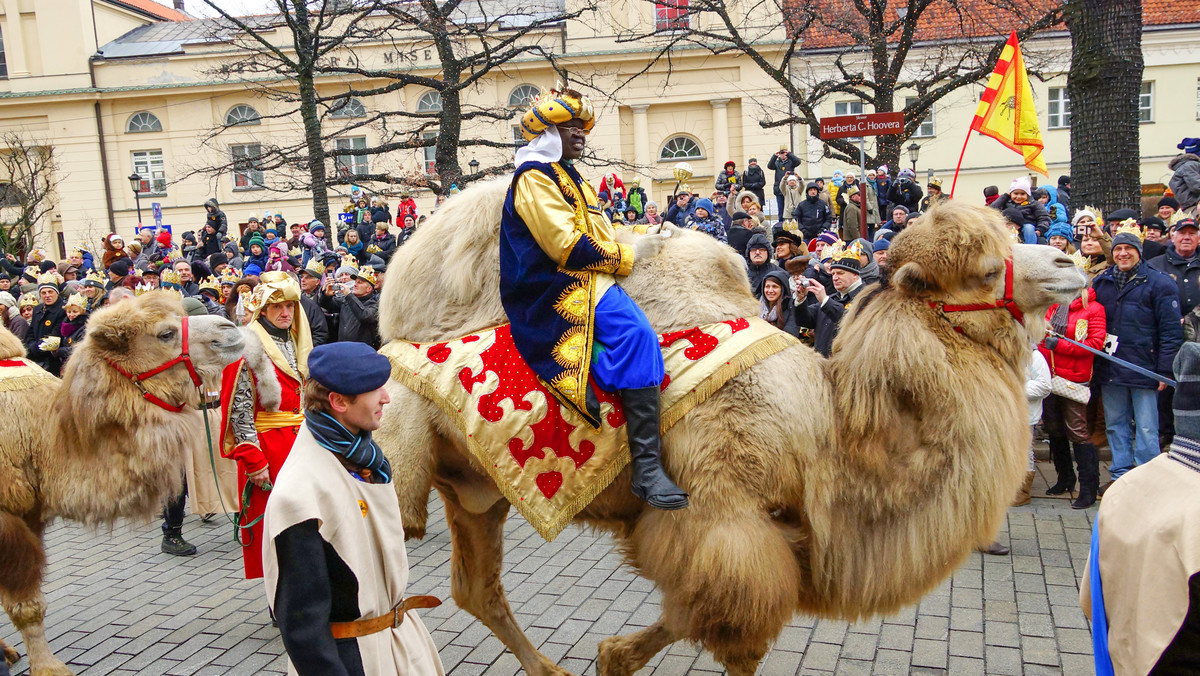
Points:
x=334 y=559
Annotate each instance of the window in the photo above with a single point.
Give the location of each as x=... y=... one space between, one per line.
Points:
x=926 y=128
x=242 y=115
x=518 y=137
x=523 y=96
x=3 y=60
x=848 y=108
x=671 y=15
x=680 y=148
x=149 y=165
x=429 y=153
x=430 y=102
x=10 y=195
x=1058 y=109
x=348 y=108
x=143 y=122
x=247 y=166
x=350 y=163
x=1146 y=103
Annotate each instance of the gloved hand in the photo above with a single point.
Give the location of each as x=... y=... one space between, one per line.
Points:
x=648 y=246
x=49 y=344
x=1051 y=342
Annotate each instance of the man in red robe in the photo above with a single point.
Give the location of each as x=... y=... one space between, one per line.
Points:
x=261 y=401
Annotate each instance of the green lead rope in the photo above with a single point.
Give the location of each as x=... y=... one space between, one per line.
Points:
x=238 y=528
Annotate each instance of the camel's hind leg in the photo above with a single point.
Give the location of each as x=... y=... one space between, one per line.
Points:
x=624 y=655
x=478 y=541
x=22 y=561
x=28 y=617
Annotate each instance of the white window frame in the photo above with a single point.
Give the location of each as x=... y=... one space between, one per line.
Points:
x=673 y=17
x=252 y=178
x=149 y=164
x=145 y=119
x=348 y=109
x=430 y=102
x=927 y=128
x=247 y=116
x=349 y=163
x=678 y=158
x=3 y=59
x=429 y=154
x=848 y=107
x=518 y=136
x=1146 y=102
x=523 y=95
x=1058 y=108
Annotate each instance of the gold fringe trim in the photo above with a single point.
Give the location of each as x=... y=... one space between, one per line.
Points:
x=747 y=357
x=26 y=382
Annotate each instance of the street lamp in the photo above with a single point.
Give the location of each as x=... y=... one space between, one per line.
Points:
x=913 y=151
x=474 y=165
x=135 y=182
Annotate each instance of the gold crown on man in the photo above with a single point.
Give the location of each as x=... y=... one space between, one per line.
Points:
x=211 y=284
x=1129 y=226
x=315 y=267
x=169 y=276
x=833 y=251
x=852 y=252
x=230 y=276
x=554 y=107
x=367 y=274
x=351 y=261
x=48 y=277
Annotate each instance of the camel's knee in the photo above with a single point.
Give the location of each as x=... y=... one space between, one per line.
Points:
x=26 y=613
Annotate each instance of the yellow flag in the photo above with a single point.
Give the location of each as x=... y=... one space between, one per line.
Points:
x=1006 y=111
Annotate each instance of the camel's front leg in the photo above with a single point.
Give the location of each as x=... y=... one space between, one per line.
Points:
x=27 y=616
x=624 y=655
x=8 y=657
x=478 y=541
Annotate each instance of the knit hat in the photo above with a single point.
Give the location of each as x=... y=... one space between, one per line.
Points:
x=705 y=204
x=1059 y=230
x=900 y=207
x=1190 y=145
x=1015 y=216
x=1186 y=404
x=217 y=259
x=881 y=244
x=253 y=269
x=272 y=231
x=257 y=239
x=194 y=307
x=1169 y=202
x=347 y=270
x=164 y=238
x=907 y=173
x=847 y=259
x=758 y=241
x=1064 y=180
x=829 y=237
x=1127 y=238
x=1021 y=183
x=120 y=267
x=1085 y=211
x=315 y=226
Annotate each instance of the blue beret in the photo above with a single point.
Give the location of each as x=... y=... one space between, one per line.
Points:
x=881 y=244
x=348 y=367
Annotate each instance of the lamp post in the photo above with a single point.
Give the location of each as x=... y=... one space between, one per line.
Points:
x=135 y=182
x=913 y=151
x=474 y=165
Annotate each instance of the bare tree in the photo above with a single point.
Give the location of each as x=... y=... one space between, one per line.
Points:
x=29 y=174
x=858 y=50
x=1103 y=85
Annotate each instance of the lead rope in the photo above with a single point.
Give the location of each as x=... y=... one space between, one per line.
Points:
x=238 y=528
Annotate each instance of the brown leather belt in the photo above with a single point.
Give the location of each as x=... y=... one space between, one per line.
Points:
x=375 y=625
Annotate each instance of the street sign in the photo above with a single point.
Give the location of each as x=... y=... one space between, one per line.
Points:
x=156 y=209
x=871 y=124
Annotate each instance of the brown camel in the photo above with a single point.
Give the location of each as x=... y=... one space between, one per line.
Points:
x=843 y=488
x=90 y=448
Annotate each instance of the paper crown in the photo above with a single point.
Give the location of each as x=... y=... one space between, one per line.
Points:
x=294 y=251
x=211 y=284
x=94 y=276
x=935 y=182
x=315 y=267
x=77 y=300
x=1129 y=226
x=81 y=248
x=230 y=276
x=791 y=225
x=28 y=300
x=1079 y=260
x=47 y=277
x=833 y=251
x=1096 y=214
x=367 y=274
x=169 y=276
x=852 y=252
x=554 y=107
x=374 y=248
x=349 y=261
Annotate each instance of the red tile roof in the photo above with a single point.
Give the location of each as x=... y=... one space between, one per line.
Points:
x=834 y=21
x=154 y=9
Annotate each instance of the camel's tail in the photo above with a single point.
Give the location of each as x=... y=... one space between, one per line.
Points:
x=11 y=347
x=21 y=557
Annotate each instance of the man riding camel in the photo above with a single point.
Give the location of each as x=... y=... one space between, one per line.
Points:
x=570 y=321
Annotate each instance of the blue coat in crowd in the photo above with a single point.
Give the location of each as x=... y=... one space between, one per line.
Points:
x=1143 y=316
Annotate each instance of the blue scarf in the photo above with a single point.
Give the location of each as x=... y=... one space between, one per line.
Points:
x=355 y=249
x=357 y=449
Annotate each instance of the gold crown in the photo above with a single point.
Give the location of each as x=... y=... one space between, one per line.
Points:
x=835 y=250
x=169 y=276
x=682 y=171
x=936 y=182
x=294 y=251
x=1079 y=260
x=1129 y=227
x=28 y=300
x=211 y=284
x=791 y=225
x=77 y=300
x=351 y=261
x=94 y=276
x=374 y=248
x=852 y=252
x=142 y=287
x=367 y=274
x=1097 y=215
x=315 y=267
x=554 y=107
x=48 y=277
x=230 y=276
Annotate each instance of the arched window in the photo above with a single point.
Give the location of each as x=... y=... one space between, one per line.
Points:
x=348 y=108
x=523 y=96
x=241 y=115
x=681 y=148
x=430 y=102
x=142 y=122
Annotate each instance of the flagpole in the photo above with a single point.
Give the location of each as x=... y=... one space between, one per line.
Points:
x=960 y=159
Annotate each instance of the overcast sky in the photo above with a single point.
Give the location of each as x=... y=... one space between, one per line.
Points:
x=236 y=7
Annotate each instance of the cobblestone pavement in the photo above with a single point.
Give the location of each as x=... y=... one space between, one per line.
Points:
x=119 y=606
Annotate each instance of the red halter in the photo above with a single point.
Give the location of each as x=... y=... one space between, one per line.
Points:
x=184 y=357
x=1006 y=302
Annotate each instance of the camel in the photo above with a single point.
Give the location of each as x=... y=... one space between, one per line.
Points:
x=879 y=471
x=93 y=449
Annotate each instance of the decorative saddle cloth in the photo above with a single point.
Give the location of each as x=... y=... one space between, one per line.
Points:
x=545 y=459
x=22 y=374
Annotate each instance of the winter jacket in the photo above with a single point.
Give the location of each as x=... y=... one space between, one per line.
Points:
x=813 y=215
x=883 y=185
x=1143 y=324
x=217 y=217
x=851 y=222
x=1037 y=386
x=358 y=318
x=824 y=318
x=1085 y=325
x=46 y=322
x=729 y=181
x=905 y=191
x=1032 y=211
x=739 y=236
x=381 y=214
x=930 y=200
x=872 y=202
x=1185 y=182
x=754 y=180
x=386 y=245
x=317 y=325
x=637 y=200
x=787 y=309
x=1057 y=210
x=758 y=272
x=679 y=216
x=793 y=193
x=209 y=244
x=1186 y=274
x=782 y=167
x=712 y=225
x=404 y=208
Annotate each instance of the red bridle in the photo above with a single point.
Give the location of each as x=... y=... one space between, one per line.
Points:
x=184 y=358
x=1006 y=302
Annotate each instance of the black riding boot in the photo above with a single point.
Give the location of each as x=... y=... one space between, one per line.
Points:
x=1060 y=454
x=1088 y=459
x=649 y=482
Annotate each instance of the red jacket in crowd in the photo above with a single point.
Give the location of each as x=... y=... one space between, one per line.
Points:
x=1085 y=324
x=405 y=207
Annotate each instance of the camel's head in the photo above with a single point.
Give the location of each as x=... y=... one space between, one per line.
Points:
x=957 y=254
x=141 y=334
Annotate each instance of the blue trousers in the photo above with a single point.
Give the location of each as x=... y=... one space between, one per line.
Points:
x=1029 y=233
x=628 y=356
x=1126 y=408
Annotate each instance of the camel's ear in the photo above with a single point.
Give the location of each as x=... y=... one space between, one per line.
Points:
x=913 y=279
x=110 y=336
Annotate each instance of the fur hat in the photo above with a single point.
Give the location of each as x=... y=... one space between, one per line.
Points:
x=796 y=265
